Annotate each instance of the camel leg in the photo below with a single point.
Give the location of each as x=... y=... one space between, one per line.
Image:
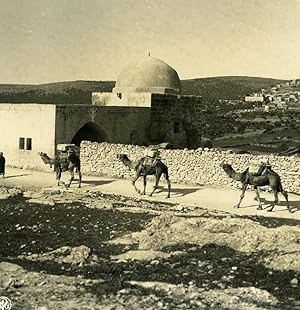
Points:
x=285 y=194
x=133 y=182
x=244 y=187
x=166 y=175
x=275 y=201
x=157 y=178
x=80 y=177
x=58 y=176
x=145 y=183
x=258 y=199
x=72 y=178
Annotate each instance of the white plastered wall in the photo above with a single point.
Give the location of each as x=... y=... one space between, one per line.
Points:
x=35 y=121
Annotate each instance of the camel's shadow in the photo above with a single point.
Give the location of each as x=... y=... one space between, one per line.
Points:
x=294 y=204
x=248 y=206
x=96 y=182
x=17 y=175
x=177 y=192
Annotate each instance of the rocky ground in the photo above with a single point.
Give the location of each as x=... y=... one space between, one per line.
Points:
x=81 y=249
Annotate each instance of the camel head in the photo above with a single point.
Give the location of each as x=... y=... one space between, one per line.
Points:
x=122 y=157
x=237 y=176
x=226 y=167
x=229 y=170
x=45 y=158
x=126 y=161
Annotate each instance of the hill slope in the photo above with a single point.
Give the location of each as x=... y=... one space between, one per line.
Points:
x=79 y=92
x=74 y=92
x=227 y=87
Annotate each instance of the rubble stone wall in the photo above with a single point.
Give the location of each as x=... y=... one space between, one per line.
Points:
x=200 y=166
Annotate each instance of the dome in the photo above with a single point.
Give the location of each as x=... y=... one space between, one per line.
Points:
x=148 y=75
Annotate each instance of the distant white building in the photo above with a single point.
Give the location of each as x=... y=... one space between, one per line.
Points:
x=273 y=89
x=282 y=105
x=254 y=98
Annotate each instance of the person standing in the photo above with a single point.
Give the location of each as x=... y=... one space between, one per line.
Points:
x=2 y=164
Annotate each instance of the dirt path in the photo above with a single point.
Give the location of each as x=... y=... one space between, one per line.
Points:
x=222 y=199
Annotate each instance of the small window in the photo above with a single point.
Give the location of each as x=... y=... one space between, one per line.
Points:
x=21 y=143
x=176 y=127
x=28 y=144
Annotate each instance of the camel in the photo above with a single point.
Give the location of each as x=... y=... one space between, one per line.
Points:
x=270 y=178
x=61 y=164
x=157 y=170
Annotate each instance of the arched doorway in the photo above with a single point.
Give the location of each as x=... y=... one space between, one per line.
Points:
x=89 y=132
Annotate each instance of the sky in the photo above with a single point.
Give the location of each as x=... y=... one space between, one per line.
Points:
x=45 y=41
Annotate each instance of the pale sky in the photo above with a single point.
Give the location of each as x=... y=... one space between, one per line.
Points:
x=58 y=40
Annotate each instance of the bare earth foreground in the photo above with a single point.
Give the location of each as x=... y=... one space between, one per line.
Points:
x=105 y=247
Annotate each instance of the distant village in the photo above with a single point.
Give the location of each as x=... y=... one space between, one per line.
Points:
x=284 y=96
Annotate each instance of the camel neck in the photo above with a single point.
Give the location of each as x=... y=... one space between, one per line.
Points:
x=47 y=159
x=127 y=162
x=234 y=175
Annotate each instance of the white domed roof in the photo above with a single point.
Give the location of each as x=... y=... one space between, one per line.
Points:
x=148 y=74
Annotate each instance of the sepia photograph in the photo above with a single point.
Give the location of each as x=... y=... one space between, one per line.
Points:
x=149 y=154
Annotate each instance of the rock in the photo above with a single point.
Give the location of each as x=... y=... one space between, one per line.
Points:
x=42 y=201
x=154 y=262
x=6 y=193
x=66 y=254
x=294 y=282
x=124 y=291
x=17 y=283
x=6 y=283
x=149 y=255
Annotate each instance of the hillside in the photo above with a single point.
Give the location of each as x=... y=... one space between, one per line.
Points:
x=79 y=92
x=227 y=87
x=74 y=92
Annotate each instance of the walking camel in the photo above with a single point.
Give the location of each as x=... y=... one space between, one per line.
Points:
x=157 y=170
x=69 y=163
x=270 y=178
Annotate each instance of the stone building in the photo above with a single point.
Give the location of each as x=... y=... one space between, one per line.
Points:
x=145 y=107
x=153 y=85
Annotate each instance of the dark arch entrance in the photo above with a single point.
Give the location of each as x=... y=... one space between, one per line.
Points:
x=89 y=132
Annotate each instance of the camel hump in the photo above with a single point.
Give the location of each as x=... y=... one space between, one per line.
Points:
x=246 y=171
x=245 y=176
x=140 y=161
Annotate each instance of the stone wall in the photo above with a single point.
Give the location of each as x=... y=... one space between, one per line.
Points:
x=115 y=124
x=176 y=119
x=187 y=166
